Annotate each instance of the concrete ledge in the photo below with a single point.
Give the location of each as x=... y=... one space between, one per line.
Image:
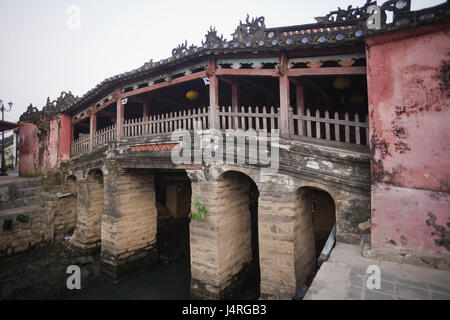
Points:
x=434 y=261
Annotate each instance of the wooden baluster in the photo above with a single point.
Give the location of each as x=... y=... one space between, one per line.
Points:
x=250 y=118
x=337 y=134
x=257 y=118
x=347 y=129
x=318 y=131
x=188 y=120
x=308 y=123
x=300 y=122
x=205 y=112
x=327 y=125
x=222 y=119
x=272 y=119
x=357 y=129
x=235 y=117
x=243 y=118
x=264 y=118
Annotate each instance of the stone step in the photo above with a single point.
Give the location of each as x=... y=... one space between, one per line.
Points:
x=27 y=183
x=28 y=192
x=27 y=211
x=27 y=201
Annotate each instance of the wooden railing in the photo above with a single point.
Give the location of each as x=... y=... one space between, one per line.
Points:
x=342 y=128
x=250 y=118
x=105 y=135
x=166 y=123
x=331 y=129
x=80 y=145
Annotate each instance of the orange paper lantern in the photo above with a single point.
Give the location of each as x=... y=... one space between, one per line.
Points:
x=192 y=95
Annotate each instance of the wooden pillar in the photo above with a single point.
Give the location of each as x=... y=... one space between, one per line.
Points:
x=146 y=108
x=72 y=136
x=299 y=94
x=284 y=97
x=235 y=94
x=213 y=96
x=120 y=117
x=92 y=130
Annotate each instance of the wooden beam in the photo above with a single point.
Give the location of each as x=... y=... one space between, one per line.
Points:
x=137 y=99
x=248 y=72
x=106 y=104
x=110 y=114
x=80 y=119
x=326 y=71
x=160 y=85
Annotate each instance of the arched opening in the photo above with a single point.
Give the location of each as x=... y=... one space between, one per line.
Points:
x=316 y=219
x=239 y=239
x=173 y=203
x=323 y=212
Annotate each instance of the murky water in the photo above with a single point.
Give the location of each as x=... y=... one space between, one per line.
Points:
x=160 y=282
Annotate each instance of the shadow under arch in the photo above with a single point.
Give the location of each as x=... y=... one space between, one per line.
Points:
x=240 y=219
x=316 y=218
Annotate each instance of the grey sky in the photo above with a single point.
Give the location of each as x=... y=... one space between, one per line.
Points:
x=40 y=56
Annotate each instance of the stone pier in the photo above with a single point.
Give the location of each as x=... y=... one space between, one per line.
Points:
x=90 y=198
x=129 y=222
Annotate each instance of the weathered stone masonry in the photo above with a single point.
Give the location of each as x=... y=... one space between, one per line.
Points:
x=90 y=198
x=220 y=245
x=129 y=221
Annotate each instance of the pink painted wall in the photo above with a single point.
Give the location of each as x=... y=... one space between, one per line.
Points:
x=410 y=138
x=50 y=155
x=64 y=137
x=29 y=164
x=36 y=156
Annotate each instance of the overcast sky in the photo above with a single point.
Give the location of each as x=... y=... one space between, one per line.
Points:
x=43 y=50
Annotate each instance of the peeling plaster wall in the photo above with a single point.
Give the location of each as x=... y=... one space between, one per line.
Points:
x=410 y=140
x=37 y=156
x=50 y=155
x=28 y=150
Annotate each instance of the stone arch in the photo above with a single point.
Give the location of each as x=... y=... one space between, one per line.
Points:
x=71 y=183
x=316 y=216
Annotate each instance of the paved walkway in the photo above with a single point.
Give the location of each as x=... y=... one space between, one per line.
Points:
x=344 y=277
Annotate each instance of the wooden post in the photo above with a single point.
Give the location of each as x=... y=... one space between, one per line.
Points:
x=300 y=97
x=213 y=102
x=146 y=108
x=284 y=97
x=92 y=130
x=120 y=117
x=235 y=94
x=72 y=136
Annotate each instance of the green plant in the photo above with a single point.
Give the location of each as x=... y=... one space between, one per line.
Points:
x=200 y=215
x=48 y=182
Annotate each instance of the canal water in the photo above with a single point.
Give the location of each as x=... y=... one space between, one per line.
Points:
x=160 y=282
